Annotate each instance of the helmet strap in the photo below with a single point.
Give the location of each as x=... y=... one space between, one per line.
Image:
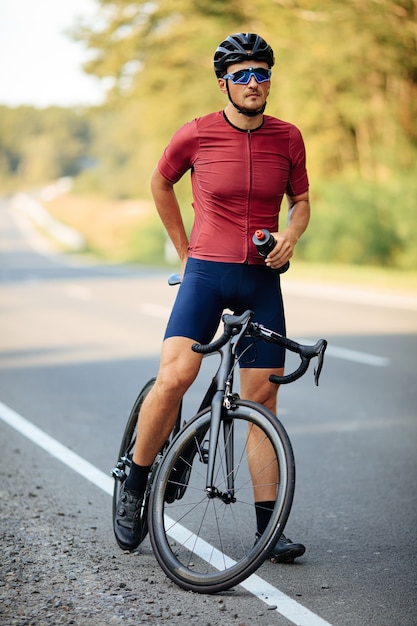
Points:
x=246 y=112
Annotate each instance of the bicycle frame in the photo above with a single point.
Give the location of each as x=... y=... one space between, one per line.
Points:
x=219 y=397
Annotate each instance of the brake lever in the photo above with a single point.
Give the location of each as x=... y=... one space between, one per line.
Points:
x=320 y=360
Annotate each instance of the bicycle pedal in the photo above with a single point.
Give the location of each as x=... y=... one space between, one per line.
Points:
x=118 y=474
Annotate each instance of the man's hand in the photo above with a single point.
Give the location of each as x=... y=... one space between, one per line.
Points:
x=298 y=218
x=283 y=250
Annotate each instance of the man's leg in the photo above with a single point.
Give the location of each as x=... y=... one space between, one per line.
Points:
x=255 y=386
x=178 y=370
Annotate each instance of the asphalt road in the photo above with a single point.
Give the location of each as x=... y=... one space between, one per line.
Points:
x=77 y=342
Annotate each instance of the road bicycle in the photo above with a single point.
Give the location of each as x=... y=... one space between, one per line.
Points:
x=199 y=505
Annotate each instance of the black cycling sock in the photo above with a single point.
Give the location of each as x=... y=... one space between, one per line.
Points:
x=137 y=479
x=263 y=514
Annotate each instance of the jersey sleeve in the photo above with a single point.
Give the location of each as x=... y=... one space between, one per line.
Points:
x=179 y=155
x=298 y=179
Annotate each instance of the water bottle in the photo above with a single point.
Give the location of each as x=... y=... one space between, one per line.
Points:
x=265 y=242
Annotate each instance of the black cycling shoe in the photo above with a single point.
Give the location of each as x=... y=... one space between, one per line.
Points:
x=285 y=551
x=127 y=524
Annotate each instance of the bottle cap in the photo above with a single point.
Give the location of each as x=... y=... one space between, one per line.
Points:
x=259 y=234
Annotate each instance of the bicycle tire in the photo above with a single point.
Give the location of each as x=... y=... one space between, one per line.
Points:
x=217 y=549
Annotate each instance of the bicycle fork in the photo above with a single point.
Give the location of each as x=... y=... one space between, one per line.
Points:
x=218 y=418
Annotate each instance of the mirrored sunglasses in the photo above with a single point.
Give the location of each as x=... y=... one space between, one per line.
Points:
x=242 y=77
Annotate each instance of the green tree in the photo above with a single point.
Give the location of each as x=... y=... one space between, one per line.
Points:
x=39 y=145
x=346 y=71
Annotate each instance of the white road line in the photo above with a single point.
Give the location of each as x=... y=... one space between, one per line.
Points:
x=357 y=357
x=286 y=606
x=257 y=586
x=366 y=297
x=56 y=449
x=353 y=355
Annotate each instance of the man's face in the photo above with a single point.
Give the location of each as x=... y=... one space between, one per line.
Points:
x=251 y=96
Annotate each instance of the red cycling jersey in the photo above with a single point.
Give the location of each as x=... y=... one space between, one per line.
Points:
x=238 y=181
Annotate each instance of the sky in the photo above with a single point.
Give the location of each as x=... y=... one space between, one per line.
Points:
x=39 y=64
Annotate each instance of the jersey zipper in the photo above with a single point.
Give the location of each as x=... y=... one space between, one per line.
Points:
x=249 y=196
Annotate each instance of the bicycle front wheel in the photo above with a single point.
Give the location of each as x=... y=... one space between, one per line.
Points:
x=205 y=540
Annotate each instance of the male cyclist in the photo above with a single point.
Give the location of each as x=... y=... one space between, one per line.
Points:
x=242 y=163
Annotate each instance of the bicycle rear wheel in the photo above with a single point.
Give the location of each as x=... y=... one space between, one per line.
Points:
x=207 y=544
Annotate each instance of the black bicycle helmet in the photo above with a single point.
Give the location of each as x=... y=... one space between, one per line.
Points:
x=241 y=47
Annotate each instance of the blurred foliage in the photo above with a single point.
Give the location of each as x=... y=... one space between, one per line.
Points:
x=363 y=223
x=345 y=74
x=41 y=145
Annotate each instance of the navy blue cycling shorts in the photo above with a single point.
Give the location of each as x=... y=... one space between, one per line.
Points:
x=209 y=287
